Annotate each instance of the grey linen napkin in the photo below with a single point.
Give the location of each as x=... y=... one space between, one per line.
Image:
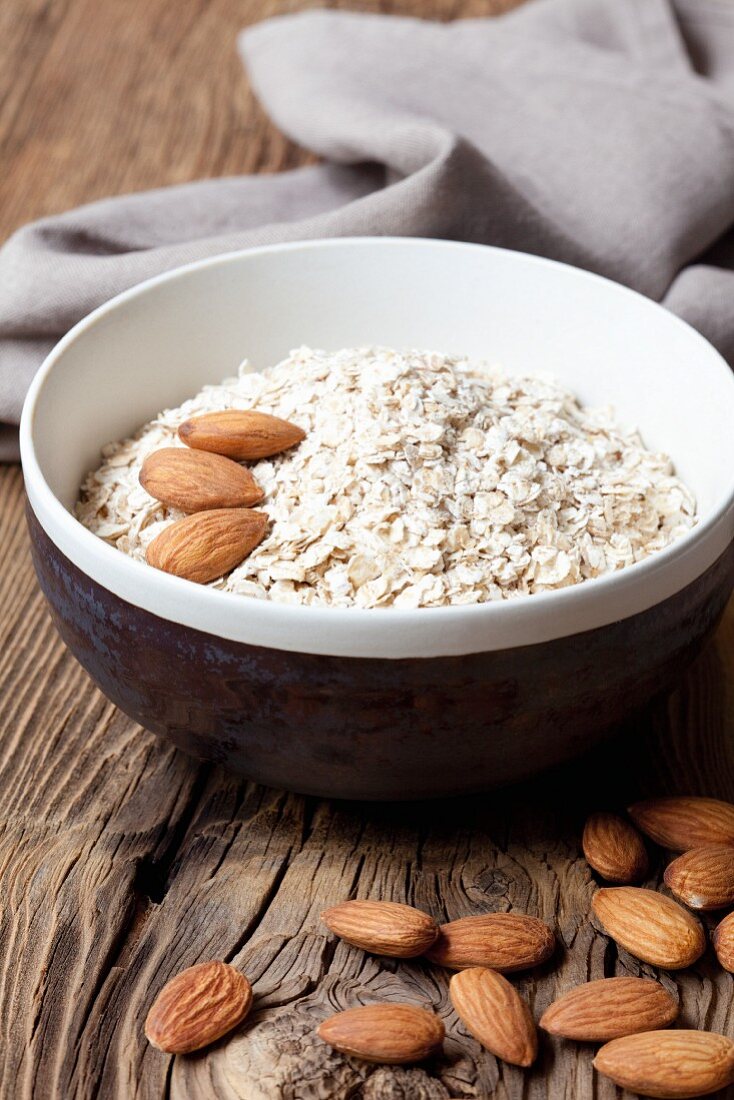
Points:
x=598 y=132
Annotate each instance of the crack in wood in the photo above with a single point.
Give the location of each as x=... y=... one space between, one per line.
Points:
x=152 y=872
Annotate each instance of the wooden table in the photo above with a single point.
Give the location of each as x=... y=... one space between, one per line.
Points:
x=121 y=861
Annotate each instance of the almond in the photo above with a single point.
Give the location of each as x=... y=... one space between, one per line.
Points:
x=195 y=481
x=207 y=545
x=382 y=927
x=240 y=433
x=197 y=1007
x=500 y=941
x=614 y=848
x=495 y=1014
x=703 y=878
x=675 y=1064
x=390 y=1033
x=651 y=926
x=608 y=1008
x=723 y=937
x=682 y=823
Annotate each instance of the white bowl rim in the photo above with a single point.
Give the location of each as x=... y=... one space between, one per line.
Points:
x=360 y=632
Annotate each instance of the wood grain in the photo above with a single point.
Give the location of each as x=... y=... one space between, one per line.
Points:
x=121 y=861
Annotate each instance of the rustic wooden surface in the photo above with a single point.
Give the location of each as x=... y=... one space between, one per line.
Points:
x=121 y=861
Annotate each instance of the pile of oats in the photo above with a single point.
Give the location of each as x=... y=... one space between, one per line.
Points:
x=424 y=480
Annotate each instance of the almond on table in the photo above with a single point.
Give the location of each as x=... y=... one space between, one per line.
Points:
x=723 y=940
x=197 y=1007
x=499 y=941
x=703 y=878
x=609 y=1008
x=687 y=822
x=382 y=927
x=614 y=848
x=240 y=433
x=651 y=926
x=669 y=1064
x=495 y=1014
x=194 y=480
x=388 y=1033
x=207 y=545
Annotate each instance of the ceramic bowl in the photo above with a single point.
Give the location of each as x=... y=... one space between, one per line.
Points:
x=380 y=703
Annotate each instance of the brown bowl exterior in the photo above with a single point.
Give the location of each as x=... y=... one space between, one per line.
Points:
x=368 y=728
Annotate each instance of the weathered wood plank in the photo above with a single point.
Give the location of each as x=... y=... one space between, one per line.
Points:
x=120 y=860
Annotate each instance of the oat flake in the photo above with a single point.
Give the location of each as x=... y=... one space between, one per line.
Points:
x=424 y=480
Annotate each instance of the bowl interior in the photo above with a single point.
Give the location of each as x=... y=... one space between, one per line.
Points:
x=157 y=344
x=160 y=343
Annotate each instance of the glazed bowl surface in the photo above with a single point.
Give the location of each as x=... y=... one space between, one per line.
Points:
x=380 y=703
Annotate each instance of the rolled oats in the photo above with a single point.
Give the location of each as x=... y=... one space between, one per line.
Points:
x=423 y=480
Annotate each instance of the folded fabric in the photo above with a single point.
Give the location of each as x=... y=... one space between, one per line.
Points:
x=598 y=132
